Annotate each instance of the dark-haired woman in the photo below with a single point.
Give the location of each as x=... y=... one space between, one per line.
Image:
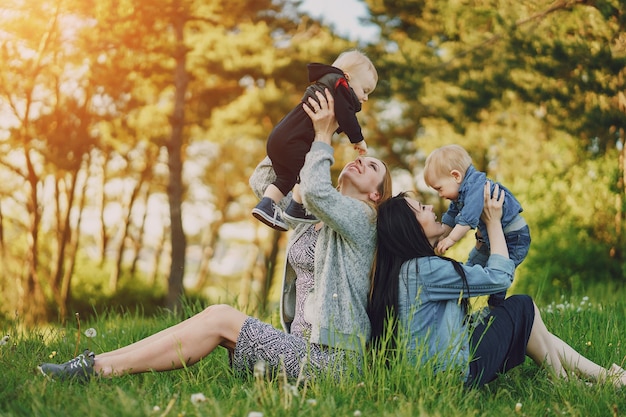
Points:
x=426 y=297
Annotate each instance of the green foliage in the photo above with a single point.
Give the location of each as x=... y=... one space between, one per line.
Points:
x=534 y=90
x=557 y=265
x=91 y=294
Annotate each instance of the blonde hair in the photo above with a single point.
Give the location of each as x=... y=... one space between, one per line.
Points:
x=355 y=62
x=384 y=188
x=444 y=160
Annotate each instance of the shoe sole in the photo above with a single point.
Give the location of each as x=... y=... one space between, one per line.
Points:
x=64 y=378
x=45 y=374
x=269 y=221
x=299 y=219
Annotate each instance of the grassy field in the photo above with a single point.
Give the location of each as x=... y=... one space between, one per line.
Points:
x=209 y=389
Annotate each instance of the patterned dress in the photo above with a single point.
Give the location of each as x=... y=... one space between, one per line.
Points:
x=276 y=351
x=301 y=258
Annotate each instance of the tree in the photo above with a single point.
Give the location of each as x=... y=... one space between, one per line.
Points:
x=531 y=90
x=51 y=122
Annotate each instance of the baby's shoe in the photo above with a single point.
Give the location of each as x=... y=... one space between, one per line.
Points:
x=269 y=213
x=296 y=212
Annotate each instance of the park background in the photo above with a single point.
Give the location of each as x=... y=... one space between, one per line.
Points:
x=129 y=129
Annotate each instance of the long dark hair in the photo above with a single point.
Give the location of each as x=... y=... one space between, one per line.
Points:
x=400 y=238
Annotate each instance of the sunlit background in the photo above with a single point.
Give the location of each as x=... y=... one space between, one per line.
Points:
x=129 y=129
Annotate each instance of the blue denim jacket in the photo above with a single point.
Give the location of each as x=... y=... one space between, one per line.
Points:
x=430 y=314
x=468 y=207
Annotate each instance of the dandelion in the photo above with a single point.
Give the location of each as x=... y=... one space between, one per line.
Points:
x=588 y=343
x=91 y=332
x=4 y=340
x=156 y=408
x=255 y=414
x=53 y=354
x=291 y=390
x=197 y=398
x=259 y=369
x=311 y=402
x=518 y=407
x=357 y=413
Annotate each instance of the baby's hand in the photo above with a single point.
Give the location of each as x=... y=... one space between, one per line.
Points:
x=361 y=147
x=443 y=245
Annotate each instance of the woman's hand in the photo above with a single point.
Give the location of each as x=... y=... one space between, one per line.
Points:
x=322 y=115
x=492 y=210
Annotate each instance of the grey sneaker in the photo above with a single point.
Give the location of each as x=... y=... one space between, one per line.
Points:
x=79 y=368
x=269 y=213
x=296 y=212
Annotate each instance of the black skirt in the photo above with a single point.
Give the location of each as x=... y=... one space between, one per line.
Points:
x=499 y=342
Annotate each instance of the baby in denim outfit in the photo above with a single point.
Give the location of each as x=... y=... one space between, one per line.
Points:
x=450 y=172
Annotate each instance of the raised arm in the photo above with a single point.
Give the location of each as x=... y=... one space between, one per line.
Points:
x=456 y=234
x=344 y=214
x=492 y=216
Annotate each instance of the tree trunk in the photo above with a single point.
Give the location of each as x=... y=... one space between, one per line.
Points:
x=138 y=239
x=64 y=233
x=158 y=258
x=617 y=250
x=66 y=285
x=104 y=235
x=32 y=304
x=208 y=245
x=263 y=271
x=114 y=278
x=175 y=164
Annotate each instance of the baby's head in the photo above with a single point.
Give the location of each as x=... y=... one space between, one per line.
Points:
x=359 y=71
x=445 y=169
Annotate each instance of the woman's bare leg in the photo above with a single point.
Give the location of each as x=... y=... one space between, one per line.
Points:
x=546 y=349
x=182 y=344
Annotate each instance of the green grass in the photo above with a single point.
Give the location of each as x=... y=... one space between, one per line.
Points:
x=597 y=331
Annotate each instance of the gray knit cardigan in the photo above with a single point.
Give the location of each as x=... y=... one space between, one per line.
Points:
x=344 y=253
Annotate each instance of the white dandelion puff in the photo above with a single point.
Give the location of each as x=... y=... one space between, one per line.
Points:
x=91 y=332
x=4 y=340
x=259 y=369
x=197 y=398
x=291 y=390
x=255 y=414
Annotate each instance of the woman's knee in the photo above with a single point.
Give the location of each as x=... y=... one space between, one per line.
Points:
x=217 y=313
x=218 y=308
x=223 y=318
